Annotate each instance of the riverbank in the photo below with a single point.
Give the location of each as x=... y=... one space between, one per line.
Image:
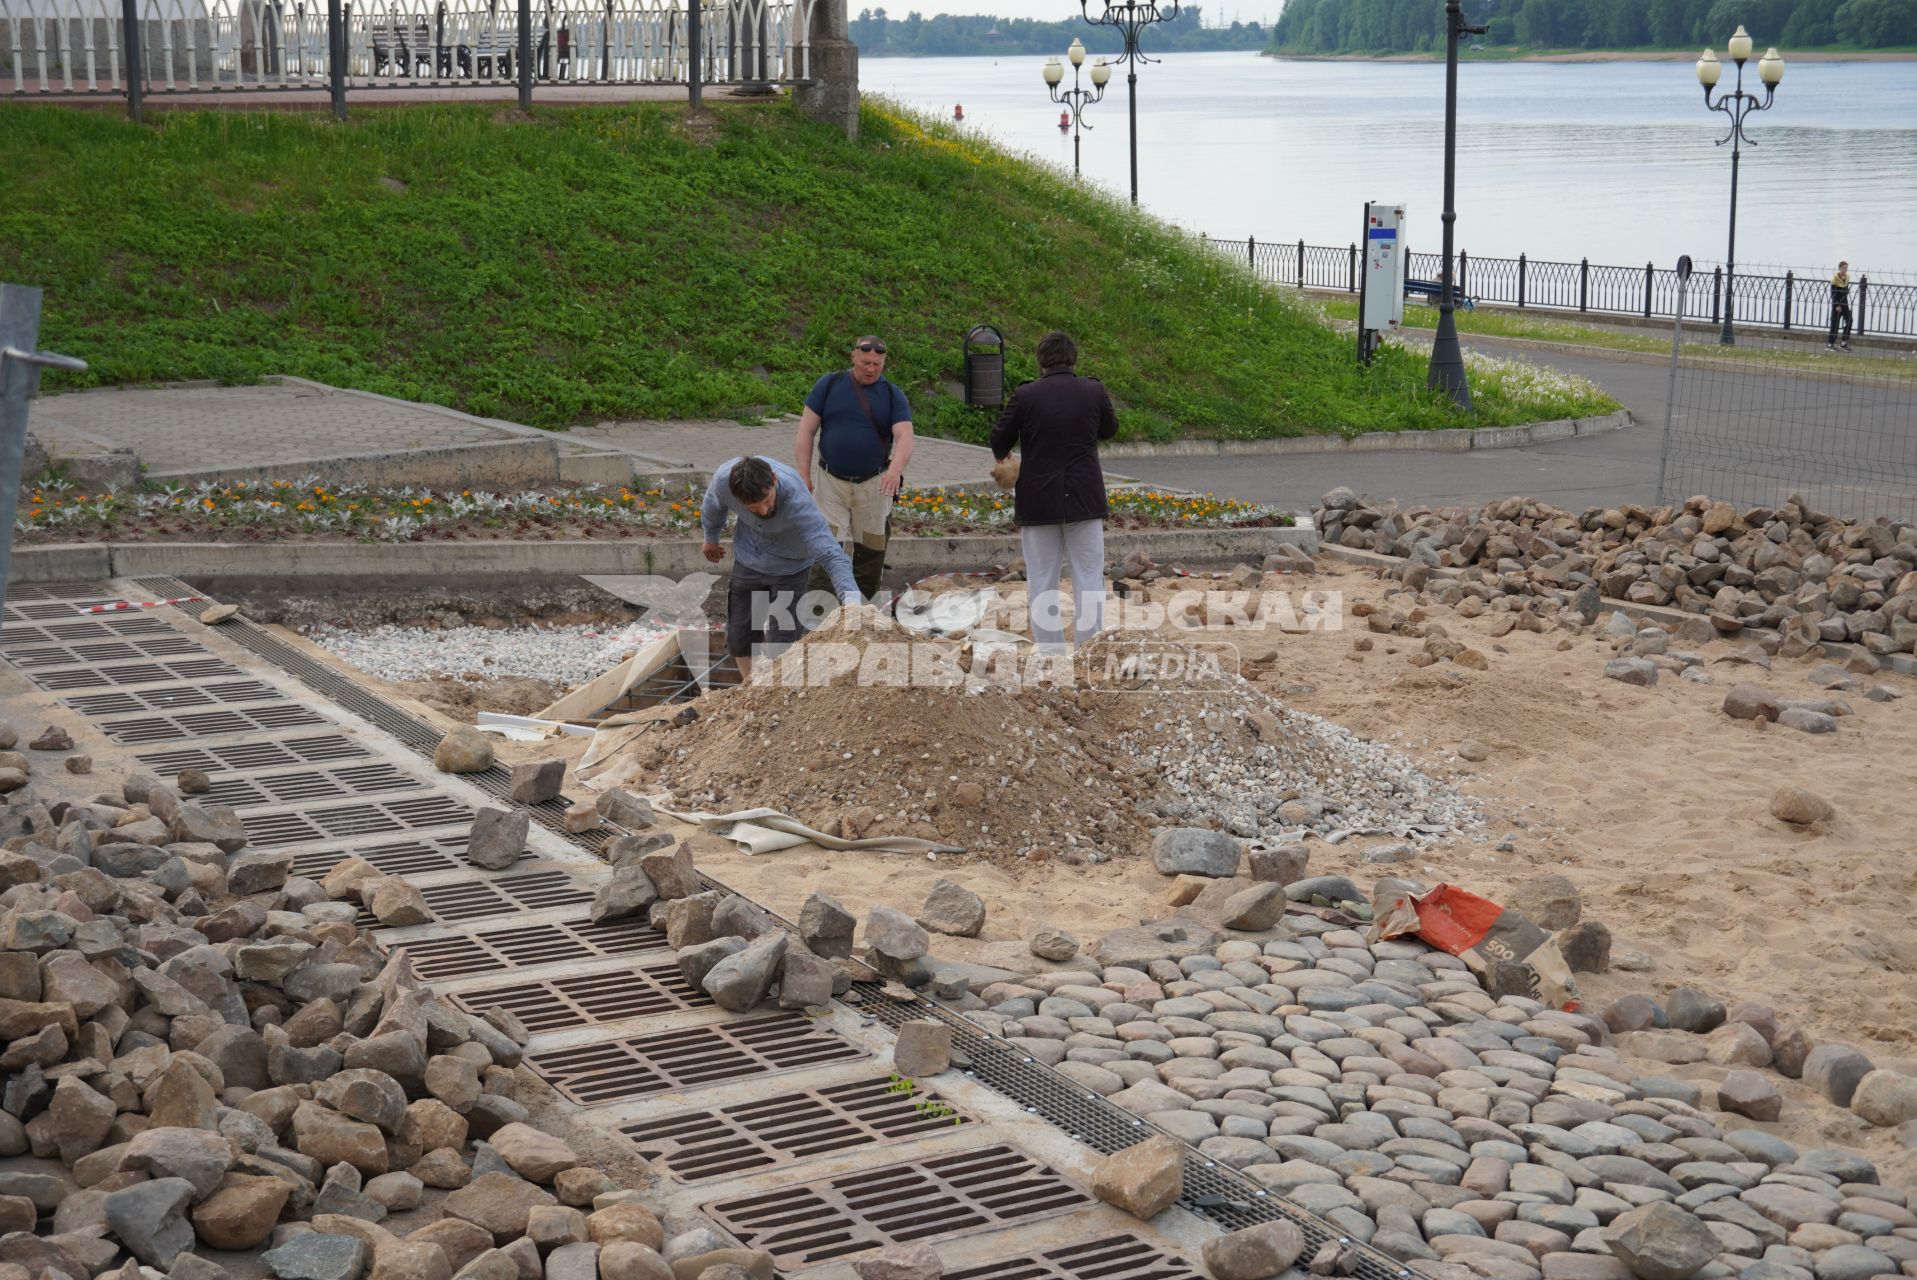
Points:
x=1591 y=55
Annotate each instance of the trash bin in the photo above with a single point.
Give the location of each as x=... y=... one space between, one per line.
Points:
x=984 y=367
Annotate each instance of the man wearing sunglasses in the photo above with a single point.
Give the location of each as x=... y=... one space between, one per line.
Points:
x=859 y=425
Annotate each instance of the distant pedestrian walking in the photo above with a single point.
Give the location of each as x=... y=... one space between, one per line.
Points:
x=958 y=112
x=1839 y=306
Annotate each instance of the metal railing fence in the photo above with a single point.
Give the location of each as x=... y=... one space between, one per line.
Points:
x=1791 y=301
x=186 y=46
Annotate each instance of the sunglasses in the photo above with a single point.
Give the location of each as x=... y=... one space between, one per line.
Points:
x=879 y=347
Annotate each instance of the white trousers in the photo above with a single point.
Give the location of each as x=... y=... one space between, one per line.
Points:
x=1048 y=548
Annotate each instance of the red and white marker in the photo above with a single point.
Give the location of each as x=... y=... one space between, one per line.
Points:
x=121 y=606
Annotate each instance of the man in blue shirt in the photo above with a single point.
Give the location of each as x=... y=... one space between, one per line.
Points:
x=861 y=427
x=780 y=536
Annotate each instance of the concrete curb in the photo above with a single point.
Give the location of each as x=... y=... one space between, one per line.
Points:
x=1902 y=663
x=200 y=561
x=1457 y=440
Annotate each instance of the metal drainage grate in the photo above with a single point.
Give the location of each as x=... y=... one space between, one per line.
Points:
x=413 y=857
x=18 y=591
x=804 y=1225
x=299 y=826
x=267 y=754
x=1121 y=1257
x=616 y=1070
x=695 y=1145
x=90 y=629
x=310 y=784
x=173 y=698
x=54 y=609
x=463 y=956
x=210 y=724
x=133 y=673
x=533 y=891
x=123 y=650
x=585 y=999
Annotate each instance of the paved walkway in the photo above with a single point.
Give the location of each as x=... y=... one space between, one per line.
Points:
x=180 y=431
x=703 y=445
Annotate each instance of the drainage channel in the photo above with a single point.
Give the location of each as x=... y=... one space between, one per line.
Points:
x=991 y=1166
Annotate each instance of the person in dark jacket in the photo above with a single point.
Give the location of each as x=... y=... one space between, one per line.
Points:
x=1056 y=421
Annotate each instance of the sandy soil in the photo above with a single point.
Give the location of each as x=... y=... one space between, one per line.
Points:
x=1652 y=801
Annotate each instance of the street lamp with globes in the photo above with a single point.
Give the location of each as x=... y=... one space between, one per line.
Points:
x=1076 y=99
x=1737 y=104
x=1131 y=18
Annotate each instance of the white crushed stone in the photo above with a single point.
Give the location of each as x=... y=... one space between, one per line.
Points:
x=566 y=656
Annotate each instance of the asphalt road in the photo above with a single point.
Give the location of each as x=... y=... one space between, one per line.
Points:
x=1724 y=424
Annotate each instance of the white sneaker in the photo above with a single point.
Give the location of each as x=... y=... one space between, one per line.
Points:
x=1830 y=346
x=1846 y=346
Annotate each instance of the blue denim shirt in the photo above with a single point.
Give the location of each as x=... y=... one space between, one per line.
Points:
x=794 y=537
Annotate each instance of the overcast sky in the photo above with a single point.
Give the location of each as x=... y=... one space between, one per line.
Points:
x=1052 y=10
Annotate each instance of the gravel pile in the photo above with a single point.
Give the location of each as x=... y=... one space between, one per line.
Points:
x=563 y=655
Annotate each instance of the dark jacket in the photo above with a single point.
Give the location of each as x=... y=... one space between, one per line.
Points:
x=1057 y=421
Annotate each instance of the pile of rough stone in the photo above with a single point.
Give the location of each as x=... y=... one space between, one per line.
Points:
x=1810 y=576
x=203 y=1053
x=1380 y=1086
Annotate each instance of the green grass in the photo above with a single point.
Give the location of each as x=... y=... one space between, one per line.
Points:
x=627 y=262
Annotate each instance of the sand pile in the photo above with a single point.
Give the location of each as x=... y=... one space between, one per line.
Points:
x=1081 y=770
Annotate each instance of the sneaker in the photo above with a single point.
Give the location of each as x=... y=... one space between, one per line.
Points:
x=1845 y=347
x=1830 y=346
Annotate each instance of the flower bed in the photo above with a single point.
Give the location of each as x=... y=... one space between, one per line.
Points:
x=282 y=510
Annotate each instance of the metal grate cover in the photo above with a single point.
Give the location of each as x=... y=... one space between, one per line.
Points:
x=120 y=650
x=208 y=724
x=105 y=628
x=299 y=826
x=53 y=609
x=419 y=856
x=310 y=784
x=695 y=1145
x=437 y=959
x=533 y=891
x=267 y=754
x=584 y=999
x=173 y=698
x=804 y=1225
x=632 y=1068
x=133 y=673
x=1122 y=1257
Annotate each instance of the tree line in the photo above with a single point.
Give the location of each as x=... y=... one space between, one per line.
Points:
x=879 y=35
x=1379 y=26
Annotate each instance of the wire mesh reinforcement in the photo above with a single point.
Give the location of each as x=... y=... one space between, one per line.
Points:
x=1212 y=1190
x=1752 y=424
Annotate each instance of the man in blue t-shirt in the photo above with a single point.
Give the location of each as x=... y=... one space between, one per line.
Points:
x=860 y=426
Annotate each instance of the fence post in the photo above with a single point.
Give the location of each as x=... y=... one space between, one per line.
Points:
x=1647 y=290
x=695 y=54
x=1351 y=269
x=335 y=58
x=1251 y=253
x=1790 y=287
x=525 y=55
x=1584 y=285
x=1863 y=293
x=1520 y=281
x=1301 y=264
x=1717 y=291
x=135 y=73
x=1464 y=260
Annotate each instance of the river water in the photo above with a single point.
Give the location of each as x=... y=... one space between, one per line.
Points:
x=1613 y=161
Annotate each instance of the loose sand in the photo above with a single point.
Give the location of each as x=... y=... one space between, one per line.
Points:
x=1651 y=800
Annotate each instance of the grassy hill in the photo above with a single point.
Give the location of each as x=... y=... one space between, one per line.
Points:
x=635 y=261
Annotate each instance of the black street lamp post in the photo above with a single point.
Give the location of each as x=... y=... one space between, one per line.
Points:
x=1737 y=104
x=1076 y=99
x=1131 y=17
x=1447 y=358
